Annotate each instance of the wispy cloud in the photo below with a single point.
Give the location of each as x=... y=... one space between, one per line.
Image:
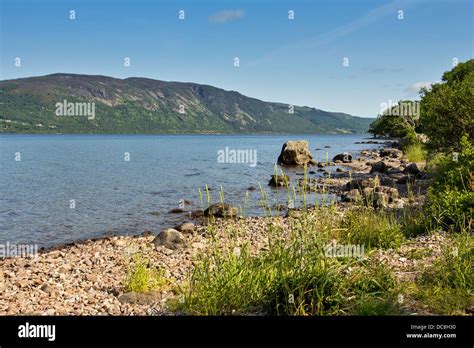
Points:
x=343 y=30
x=415 y=87
x=226 y=16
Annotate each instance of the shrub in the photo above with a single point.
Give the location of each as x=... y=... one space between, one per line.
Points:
x=415 y=153
x=450 y=199
x=141 y=277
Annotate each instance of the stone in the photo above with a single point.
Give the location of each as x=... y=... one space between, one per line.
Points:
x=412 y=169
x=345 y=157
x=46 y=288
x=405 y=179
x=391 y=192
x=423 y=176
x=221 y=210
x=279 y=180
x=360 y=183
x=147 y=298
x=380 y=200
x=339 y=170
x=171 y=239
x=352 y=196
x=295 y=153
x=379 y=167
x=368 y=191
x=187 y=227
x=391 y=152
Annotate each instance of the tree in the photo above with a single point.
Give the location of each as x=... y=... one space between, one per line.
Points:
x=447 y=110
x=397 y=120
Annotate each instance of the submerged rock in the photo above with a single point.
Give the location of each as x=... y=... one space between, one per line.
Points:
x=279 y=180
x=176 y=211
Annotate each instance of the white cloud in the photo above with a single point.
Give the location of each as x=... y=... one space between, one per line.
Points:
x=226 y=16
x=415 y=88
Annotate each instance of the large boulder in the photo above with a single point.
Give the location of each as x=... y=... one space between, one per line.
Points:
x=295 y=152
x=279 y=180
x=345 y=157
x=171 y=239
x=221 y=210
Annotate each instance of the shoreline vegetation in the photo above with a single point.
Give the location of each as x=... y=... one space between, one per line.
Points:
x=397 y=241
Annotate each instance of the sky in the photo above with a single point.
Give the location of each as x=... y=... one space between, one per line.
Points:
x=340 y=55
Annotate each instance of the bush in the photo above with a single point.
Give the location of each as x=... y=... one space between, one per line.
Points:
x=415 y=153
x=141 y=277
x=450 y=199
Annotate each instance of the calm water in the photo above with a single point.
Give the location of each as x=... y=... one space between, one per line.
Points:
x=115 y=196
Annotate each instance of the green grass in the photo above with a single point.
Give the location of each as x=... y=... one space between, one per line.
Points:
x=370 y=228
x=415 y=153
x=292 y=277
x=141 y=276
x=447 y=286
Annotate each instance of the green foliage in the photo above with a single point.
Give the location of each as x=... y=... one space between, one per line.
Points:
x=292 y=277
x=446 y=287
x=398 y=121
x=450 y=200
x=415 y=153
x=370 y=228
x=141 y=277
x=447 y=111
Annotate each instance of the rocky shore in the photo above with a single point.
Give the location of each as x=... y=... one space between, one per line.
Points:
x=87 y=278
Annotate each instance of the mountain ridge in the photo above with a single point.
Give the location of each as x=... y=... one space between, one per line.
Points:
x=143 y=105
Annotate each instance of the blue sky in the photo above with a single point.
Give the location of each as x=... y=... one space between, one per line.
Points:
x=297 y=61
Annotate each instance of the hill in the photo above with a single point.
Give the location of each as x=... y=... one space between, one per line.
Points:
x=141 y=105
